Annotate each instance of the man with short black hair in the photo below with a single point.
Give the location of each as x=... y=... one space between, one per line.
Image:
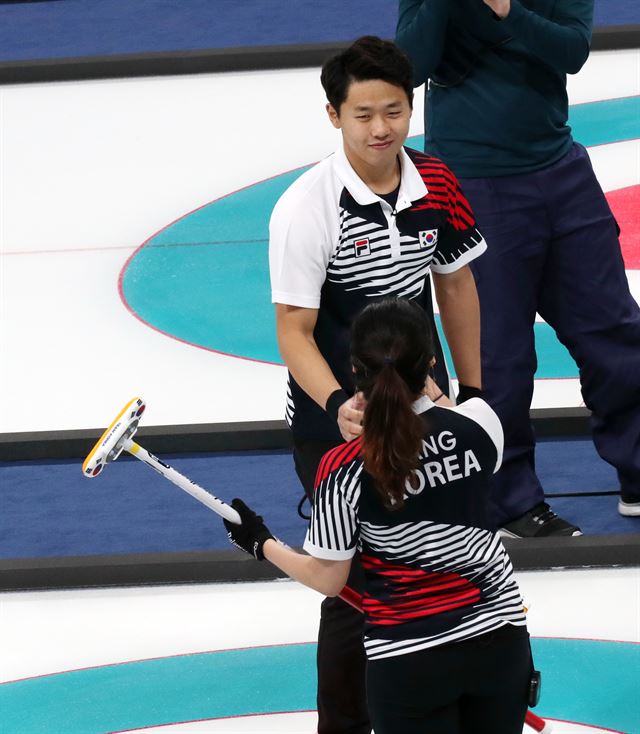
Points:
x=371 y=220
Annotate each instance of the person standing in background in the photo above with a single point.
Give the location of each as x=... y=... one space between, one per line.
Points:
x=496 y=113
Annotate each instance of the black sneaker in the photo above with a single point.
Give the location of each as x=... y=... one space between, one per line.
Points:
x=629 y=506
x=539 y=522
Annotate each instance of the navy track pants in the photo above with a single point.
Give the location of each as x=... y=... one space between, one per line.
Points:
x=553 y=248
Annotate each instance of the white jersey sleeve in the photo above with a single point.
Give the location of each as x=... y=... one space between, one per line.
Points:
x=333 y=528
x=481 y=413
x=460 y=242
x=301 y=240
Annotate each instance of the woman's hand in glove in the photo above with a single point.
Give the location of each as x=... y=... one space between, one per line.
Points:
x=252 y=534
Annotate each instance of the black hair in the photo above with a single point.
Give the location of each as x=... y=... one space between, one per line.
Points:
x=366 y=59
x=391 y=352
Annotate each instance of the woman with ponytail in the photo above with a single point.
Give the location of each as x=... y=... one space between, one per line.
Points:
x=391 y=366
x=445 y=632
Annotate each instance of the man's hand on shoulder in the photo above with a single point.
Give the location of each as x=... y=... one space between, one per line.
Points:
x=350 y=415
x=435 y=394
x=500 y=7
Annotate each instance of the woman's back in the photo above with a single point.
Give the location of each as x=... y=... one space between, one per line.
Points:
x=435 y=570
x=412 y=495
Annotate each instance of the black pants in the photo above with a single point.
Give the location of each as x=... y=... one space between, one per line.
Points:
x=341 y=661
x=470 y=687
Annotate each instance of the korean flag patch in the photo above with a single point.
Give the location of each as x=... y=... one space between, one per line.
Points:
x=428 y=238
x=361 y=247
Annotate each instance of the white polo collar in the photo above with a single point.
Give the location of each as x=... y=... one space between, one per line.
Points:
x=422 y=404
x=412 y=187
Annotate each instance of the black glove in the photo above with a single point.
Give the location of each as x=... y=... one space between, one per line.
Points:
x=252 y=534
x=466 y=393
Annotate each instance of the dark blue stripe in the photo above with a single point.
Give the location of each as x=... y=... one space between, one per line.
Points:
x=70 y=28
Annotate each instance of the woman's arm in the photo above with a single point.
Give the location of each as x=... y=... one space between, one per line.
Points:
x=254 y=537
x=327 y=577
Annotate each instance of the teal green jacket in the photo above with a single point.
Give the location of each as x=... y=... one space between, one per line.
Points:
x=496 y=103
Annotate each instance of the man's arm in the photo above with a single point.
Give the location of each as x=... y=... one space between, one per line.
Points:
x=562 y=43
x=454 y=285
x=294 y=327
x=457 y=299
x=436 y=395
x=420 y=33
x=300 y=240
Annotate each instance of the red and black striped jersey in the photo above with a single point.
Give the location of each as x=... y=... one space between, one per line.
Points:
x=335 y=246
x=435 y=570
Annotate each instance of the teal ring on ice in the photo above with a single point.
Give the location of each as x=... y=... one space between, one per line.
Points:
x=584 y=681
x=204 y=279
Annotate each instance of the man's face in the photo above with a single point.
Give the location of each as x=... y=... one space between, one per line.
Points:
x=374 y=119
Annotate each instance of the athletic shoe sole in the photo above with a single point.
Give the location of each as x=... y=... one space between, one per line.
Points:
x=508 y=534
x=629 y=509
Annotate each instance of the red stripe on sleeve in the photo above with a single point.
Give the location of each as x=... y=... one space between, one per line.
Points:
x=441 y=182
x=337 y=457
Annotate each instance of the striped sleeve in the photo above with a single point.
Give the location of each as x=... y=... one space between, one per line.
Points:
x=461 y=241
x=333 y=528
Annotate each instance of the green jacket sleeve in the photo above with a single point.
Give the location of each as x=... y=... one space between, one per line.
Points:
x=563 y=42
x=420 y=34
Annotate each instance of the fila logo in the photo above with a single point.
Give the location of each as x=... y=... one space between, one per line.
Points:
x=428 y=237
x=361 y=247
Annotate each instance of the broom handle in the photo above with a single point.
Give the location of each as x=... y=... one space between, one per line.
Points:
x=185 y=484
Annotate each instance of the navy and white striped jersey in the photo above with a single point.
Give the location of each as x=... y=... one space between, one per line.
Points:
x=435 y=570
x=335 y=245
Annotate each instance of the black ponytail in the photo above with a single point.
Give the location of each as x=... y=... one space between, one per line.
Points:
x=391 y=352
